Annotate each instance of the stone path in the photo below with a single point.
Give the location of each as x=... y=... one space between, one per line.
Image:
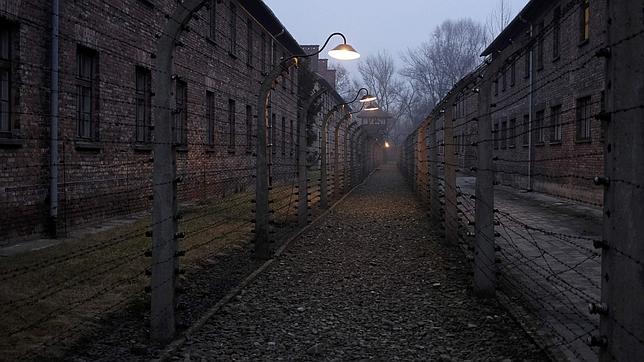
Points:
x=548 y=264
x=372 y=281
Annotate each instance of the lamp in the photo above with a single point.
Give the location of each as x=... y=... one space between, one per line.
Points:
x=368 y=98
x=371 y=107
x=344 y=52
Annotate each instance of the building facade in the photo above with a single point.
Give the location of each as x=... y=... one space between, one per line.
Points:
x=547 y=88
x=106 y=108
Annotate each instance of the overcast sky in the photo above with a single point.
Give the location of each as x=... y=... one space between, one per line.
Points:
x=376 y=24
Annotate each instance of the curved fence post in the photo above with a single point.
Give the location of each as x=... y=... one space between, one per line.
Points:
x=263 y=244
x=164 y=206
x=324 y=192
x=484 y=254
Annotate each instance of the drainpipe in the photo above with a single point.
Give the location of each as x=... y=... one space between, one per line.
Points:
x=531 y=81
x=53 y=134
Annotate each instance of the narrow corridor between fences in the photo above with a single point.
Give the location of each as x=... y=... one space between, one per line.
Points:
x=373 y=279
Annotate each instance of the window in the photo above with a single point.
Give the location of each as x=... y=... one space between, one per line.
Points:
x=273 y=53
x=212 y=20
x=143 y=105
x=210 y=118
x=249 y=41
x=513 y=73
x=233 y=29
x=273 y=127
x=556 y=33
x=231 y=125
x=583 y=119
x=87 y=87
x=539 y=129
x=555 y=124
x=249 y=128
x=512 y=140
x=505 y=80
x=496 y=136
x=285 y=75
x=496 y=86
x=283 y=136
x=540 y=45
x=6 y=75
x=504 y=135
x=181 y=114
x=263 y=46
x=526 y=130
x=584 y=23
x=292 y=137
x=292 y=78
x=526 y=68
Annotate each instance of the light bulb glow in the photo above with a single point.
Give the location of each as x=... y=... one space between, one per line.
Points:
x=344 y=52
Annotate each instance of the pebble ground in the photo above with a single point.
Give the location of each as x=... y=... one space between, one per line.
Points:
x=372 y=281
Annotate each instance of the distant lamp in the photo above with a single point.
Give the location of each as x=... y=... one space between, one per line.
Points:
x=371 y=107
x=368 y=98
x=387 y=145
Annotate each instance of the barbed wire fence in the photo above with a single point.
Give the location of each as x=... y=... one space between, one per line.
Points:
x=566 y=281
x=149 y=200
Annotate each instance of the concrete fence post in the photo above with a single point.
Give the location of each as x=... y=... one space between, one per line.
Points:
x=451 y=196
x=348 y=156
x=164 y=180
x=484 y=254
x=434 y=177
x=621 y=311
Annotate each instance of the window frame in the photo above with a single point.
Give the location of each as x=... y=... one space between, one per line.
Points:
x=180 y=121
x=583 y=117
x=9 y=65
x=212 y=20
x=143 y=99
x=250 y=41
x=232 y=125
x=87 y=129
x=504 y=135
x=211 y=117
x=512 y=125
x=556 y=33
x=249 y=128
x=540 y=134
x=232 y=23
x=526 y=130
x=541 y=38
x=556 y=131
x=584 y=21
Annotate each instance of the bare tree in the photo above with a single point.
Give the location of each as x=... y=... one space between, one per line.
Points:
x=498 y=19
x=379 y=75
x=436 y=65
x=344 y=84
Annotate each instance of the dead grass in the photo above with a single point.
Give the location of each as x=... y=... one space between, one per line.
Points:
x=53 y=296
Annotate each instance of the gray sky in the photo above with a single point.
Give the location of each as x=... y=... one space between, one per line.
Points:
x=376 y=24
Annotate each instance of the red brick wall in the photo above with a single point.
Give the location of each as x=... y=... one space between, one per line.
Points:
x=113 y=176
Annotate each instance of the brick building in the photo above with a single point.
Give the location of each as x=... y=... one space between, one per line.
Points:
x=107 y=51
x=547 y=86
x=544 y=75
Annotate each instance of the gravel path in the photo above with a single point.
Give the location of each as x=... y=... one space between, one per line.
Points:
x=372 y=281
